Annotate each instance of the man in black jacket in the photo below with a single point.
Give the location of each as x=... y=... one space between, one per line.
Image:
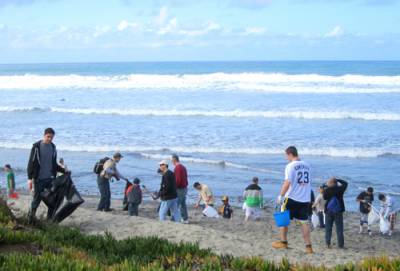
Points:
x=334 y=209
x=42 y=169
x=168 y=194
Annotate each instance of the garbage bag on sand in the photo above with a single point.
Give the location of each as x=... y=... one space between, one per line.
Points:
x=62 y=198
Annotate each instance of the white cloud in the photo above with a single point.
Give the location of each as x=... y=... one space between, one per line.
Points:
x=124 y=24
x=336 y=32
x=101 y=30
x=171 y=27
x=162 y=16
x=254 y=30
x=205 y=29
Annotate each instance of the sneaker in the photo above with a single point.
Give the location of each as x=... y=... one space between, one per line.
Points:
x=309 y=249
x=185 y=221
x=280 y=245
x=370 y=233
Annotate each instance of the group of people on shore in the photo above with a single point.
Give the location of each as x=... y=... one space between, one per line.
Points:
x=296 y=194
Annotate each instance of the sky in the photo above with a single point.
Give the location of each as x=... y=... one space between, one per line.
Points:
x=44 y=31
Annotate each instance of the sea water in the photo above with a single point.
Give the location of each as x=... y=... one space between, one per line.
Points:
x=229 y=121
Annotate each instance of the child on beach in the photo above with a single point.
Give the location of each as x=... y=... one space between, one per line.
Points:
x=319 y=206
x=365 y=199
x=134 y=196
x=226 y=210
x=10 y=179
x=389 y=210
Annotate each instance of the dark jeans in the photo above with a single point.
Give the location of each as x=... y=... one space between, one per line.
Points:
x=105 y=193
x=338 y=220
x=39 y=187
x=182 y=202
x=133 y=209
x=321 y=219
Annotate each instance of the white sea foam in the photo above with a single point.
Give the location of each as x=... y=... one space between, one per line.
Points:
x=194 y=160
x=265 y=82
x=323 y=151
x=369 y=116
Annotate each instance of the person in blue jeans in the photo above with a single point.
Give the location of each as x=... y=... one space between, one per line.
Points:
x=168 y=193
x=334 y=209
x=42 y=170
x=181 y=178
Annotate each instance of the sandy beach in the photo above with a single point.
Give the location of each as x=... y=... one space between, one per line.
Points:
x=234 y=237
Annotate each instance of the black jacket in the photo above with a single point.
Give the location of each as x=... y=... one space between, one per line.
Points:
x=335 y=191
x=168 y=186
x=135 y=194
x=34 y=162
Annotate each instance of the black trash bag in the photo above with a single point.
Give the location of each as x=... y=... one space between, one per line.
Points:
x=62 y=188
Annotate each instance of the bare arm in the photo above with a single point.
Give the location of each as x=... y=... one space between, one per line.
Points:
x=285 y=188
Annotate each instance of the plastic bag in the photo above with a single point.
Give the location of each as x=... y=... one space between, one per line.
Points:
x=315 y=220
x=210 y=212
x=384 y=225
x=373 y=217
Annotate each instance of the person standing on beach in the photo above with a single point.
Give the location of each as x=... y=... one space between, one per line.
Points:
x=253 y=198
x=168 y=193
x=365 y=199
x=10 y=179
x=134 y=197
x=334 y=209
x=103 y=180
x=297 y=191
x=205 y=195
x=389 y=210
x=42 y=169
x=181 y=178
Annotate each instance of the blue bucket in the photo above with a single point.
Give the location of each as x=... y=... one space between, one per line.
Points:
x=282 y=219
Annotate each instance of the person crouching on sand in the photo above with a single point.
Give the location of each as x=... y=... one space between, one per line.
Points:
x=389 y=210
x=319 y=205
x=365 y=199
x=205 y=195
x=226 y=210
x=297 y=188
x=253 y=197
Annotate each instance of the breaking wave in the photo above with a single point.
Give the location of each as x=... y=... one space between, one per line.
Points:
x=335 y=115
x=263 y=82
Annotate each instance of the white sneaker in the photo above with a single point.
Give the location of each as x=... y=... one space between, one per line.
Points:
x=185 y=221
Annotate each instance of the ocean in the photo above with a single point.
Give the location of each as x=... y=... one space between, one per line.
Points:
x=229 y=121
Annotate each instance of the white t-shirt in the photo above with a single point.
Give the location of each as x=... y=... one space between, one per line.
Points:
x=298 y=173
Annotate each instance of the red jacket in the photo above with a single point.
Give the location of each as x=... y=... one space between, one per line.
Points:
x=181 y=176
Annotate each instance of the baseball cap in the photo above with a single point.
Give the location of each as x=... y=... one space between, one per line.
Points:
x=163 y=162
x=225 y=198
x=117 y=155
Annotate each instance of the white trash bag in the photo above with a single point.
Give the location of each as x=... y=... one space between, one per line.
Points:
x=210 y=212
x=384 y=225
x=315 y=220
x=373 y=217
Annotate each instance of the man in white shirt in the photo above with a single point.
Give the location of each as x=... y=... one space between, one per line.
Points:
x=297 y=189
